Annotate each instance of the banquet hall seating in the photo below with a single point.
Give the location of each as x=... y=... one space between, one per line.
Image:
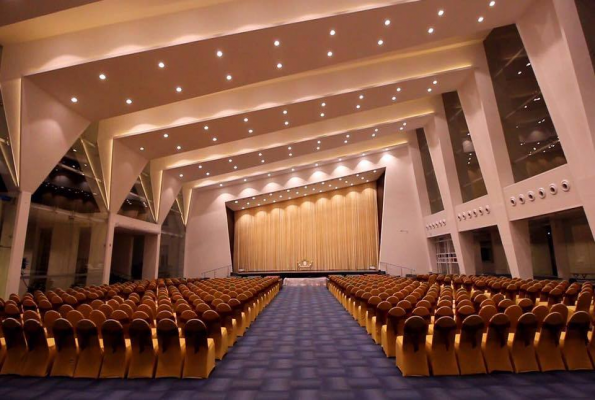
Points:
x=142 y=329
x=490 y=323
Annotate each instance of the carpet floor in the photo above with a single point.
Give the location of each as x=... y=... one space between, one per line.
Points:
x=306 y=346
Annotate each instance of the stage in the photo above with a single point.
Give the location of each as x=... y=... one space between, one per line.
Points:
x=306 y=274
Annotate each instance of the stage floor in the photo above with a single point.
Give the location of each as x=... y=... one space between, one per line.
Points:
x=305 y=274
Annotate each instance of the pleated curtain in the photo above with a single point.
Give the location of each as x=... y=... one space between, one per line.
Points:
x=336 y=230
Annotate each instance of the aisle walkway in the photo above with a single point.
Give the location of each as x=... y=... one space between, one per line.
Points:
x=306 y=346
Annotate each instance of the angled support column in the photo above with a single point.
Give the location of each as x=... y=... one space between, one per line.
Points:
x=448 y=182
x=483 y=119
x=109 y=246
x=555 y=43
x=17 y=250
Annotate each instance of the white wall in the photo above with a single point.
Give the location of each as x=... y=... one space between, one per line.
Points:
x=402 y=240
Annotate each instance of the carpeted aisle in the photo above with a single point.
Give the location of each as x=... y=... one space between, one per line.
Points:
x=306 y=346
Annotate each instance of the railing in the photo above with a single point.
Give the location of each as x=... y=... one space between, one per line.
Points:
x=396 y=270
x=221 y=272
x=65 y=280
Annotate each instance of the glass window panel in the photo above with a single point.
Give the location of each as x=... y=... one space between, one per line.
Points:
x=171 y=254
x=468 y=171
x=490 y=258
x=531 y=139
x=431 y=182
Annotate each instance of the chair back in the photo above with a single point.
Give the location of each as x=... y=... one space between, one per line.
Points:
x=196 y=335
x=472 y=330
x=498 y=330
x=113 y=336
x=414 y=332
x=444 y=333
x=395 y=320
x=525 y=329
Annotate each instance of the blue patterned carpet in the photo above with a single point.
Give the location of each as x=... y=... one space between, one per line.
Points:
x=306 y=346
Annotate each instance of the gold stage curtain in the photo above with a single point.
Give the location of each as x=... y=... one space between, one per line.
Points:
x=336 y=230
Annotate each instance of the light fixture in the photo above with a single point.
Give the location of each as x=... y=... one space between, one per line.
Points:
x=316 y=165
x=292 y=170
x=245 y=180
x=179 y=147
x=102 y=77
x=142 y=149
x=250 y=131
x=246 y=119
x=161 y=64
x=347 y=136
x=262 y=161
x=361 y=96
x=181 y=175
x=214 y=139
x=230 y=160
x=286 y=123
x=380 y=42
x=179 y=89
x=219 y=53
x=208 y=173
x=322 y=114
x=277 y=43
x=401 y=128
x=236 y=202
x=323 y=104
x=435 y=82
x=440 y=13
x=373 y=135
x=220 y=185
x=394 y=98
x=279 y=65
x=398 y=89
x=332 y=32
x=200 y=167
x=318 y=142
x=387 y=22
x=269 y=175
x=128 y=101
x=318 y=148
x=492 y=3
x=429 y=89
x=289 y=148
x=329 y=54
x=284 y=112
x=358 y=106
x=74 y=99
x=206 y=127
x=229 y=77
x=480 y=19
x=431 y=30
x=345 y=141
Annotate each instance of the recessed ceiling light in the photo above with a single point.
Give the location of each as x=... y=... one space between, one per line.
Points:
x=161 y=64
x=332 y=32
x=214 y=139
x=236 y=202
x=230 y=160
x=181 y=175
x=220 y=184
x=102 y=77
x=259 y=154
x=279 y=65
x=289 y=148
x=401 y=128
x=179 y=89
x=206 y=127
x=229 y=77
x=142 y=149
x=245 y=119
x=492 y=3
x=380 y=42
x=290 y=154
x=292 y=170
x=329 y=54
x=285 y=112
x=208 y=173
x=128 y=101
x=179 y=147
x=394 y=98
x=358 y=106
x=398 y=89
x=322 y=114
x=277 y=43
x=387 y=22
x=318 y=148
x=269 y=176
x=316 y=165
x=245 y=180
x=219 y=53
x=340 y=159
x=243 y=208
x=361 y=96
x=431 y=30
x=250 y=131
x=440 y=13
x=404 y=123
x=373 y=135
x=323 y=104
x=345 y=141
x=286 y=122
x=262 y=161
x=74 y=99
x=347 y=136
x=200 y=167
x=429 y=89
x=480 y=19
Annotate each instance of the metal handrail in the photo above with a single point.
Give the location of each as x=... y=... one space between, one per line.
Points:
x=214 y=272
x=396 y=270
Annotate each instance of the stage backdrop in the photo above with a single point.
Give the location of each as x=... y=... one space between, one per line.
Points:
x=336 y=230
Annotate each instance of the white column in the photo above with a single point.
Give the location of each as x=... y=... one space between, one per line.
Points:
x=109 y=245
x=151 y=256
x=17 y=250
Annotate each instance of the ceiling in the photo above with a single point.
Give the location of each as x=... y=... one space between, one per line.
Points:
x=237 y=119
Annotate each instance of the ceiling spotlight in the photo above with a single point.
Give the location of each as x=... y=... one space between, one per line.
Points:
x=323 y=104
x=480 y=19
x=318 y=142
x=262 y=161
x=492 y=3
x=429 y=89
x=245 y=180
x=74 y=99
x=228 y=77
x=230 y=160
x=322 y=114
x=268 y=175
x=246 y=119
x=292 y=170
x=394 y=98
x=398 y=89
x=200 y=167
x=219 y=53
x=380 y=42
x=181 y=175
x=161 y=64
x=285 y=112
x=102 y=77
x=128 y=101
x=286 y=123
x=431 y=30
x=279 y=65
x=289 y=148
x=250 y=131
x=235 y=167
x=290 y=154
x=387 y=22
x=332 y=32
x=166 y=135
x=214 y=139
x=236 y=202
x=318 y=148
x=345 y=141
x=358 y=106
x=361 y=96
x=220 y=185
x=329 y=54
x=277 y=43
x=404 y=123
x=347 y=136
x=373 y=135
x=179 y=147
x=435 y=82
x=401 y=128
x=440 y=13
x=259 y=154
x=206 y=127
x=208 y=173
x=316 y=165
x=142 y=149
x=178 y=89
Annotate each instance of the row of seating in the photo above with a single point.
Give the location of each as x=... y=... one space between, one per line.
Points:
x=451 y=325
x=144 y=329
